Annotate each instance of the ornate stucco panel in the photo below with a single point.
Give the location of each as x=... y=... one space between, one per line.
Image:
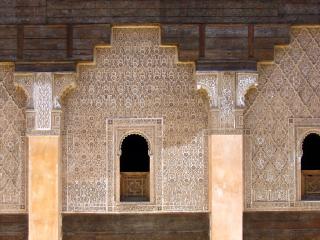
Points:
x=12 y=144
x=135 y=77
x=226 y=92
x=44 y=93
x=288 y=89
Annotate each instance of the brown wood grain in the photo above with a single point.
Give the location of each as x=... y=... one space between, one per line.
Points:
x=213 y=33
x=174 y=226
x=295 y=225
x=13 y=227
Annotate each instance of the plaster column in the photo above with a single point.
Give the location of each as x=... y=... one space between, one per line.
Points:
x=45 y=91
x=44 y=184
x=226 y=188
x=226 y=92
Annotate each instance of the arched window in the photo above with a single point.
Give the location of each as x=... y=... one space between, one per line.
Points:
x=134 y=169
x=310 y=167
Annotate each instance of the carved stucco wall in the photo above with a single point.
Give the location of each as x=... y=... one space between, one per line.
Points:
x=288 y=91
x=12 y=143
x=135 y=77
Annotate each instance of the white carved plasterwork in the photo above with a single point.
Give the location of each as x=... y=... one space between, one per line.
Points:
x=42 y=100
x=209 y=82
x=12 y=144
x=227 y=100
x=135 y=78
x=244 y=82
x=44 y=91
x=226 y=92
x=287 y=90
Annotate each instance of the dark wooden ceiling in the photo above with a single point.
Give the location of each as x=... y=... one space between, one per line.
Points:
x=45 y=35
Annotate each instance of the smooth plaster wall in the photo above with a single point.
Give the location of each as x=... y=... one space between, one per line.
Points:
x=226 y=191
x=44 y=200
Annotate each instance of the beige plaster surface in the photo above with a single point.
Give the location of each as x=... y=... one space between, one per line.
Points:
x=44 y=212
x=226 y=186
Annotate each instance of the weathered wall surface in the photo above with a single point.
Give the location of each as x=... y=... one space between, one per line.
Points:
x=288 y=89
x=135 y=78
x=12 y=144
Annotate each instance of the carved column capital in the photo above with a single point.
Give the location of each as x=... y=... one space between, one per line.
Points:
x=226 y=91
x=44 y=91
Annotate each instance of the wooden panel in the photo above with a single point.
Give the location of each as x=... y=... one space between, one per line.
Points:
x=43 y=55
x=226 y=41
x=266 y=37
x=45 y=31
x=163 y=11
x=13 y=227
x=134 y=186
x=175 y=226
x=45 y=67
x=45 y=42
x=85 y=37
x=310 y=185
x=185 y=36
x=281 y=225
x=192 y=11
x=8 y=42
x=40 y=44
x=226 y=65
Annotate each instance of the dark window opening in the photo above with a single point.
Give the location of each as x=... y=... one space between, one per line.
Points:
x=311 y=152
x=310 y=168
x=134 y=169
x=134 y=154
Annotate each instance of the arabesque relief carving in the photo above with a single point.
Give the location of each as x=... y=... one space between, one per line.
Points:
x=44 y=93
x=287 y=89
x=137 y=82
x=12 y=143
x=138 y=78
x=226 y=92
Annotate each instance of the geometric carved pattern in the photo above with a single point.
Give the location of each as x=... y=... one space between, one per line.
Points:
x=226 y=91
x=287 y=88
x=209 y=82
x=135 y=77
x=134 y=186
x=12 y=144
x=42 y=98
x=44 y=92
x=244 y=82
x=311 y=184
